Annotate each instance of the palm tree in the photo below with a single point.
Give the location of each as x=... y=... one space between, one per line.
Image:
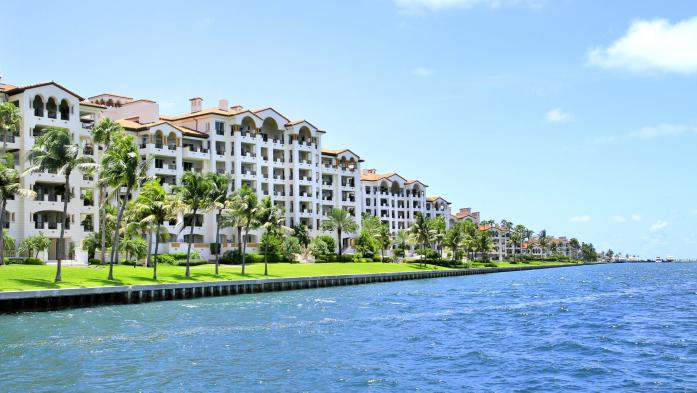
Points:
x=517 y=237
x=9 y=187
x=217 y=196
x=122 y=167
x=194 y=193
x=103 y=133
x=384 y=237
x=31 y=246
x=422 y=232
x=10 y=119
x=483 y=244
x=437 y=224
x=573 y=243
x=56 y=151
x=155 y=207
x=271 y=218
x=402 y=239
x=454 y=238
x=245 y=206
x=339 y=220
x=544 y=240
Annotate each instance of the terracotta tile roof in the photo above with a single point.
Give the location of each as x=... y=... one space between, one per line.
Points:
x=336 y=152
x=233 y=111
x=132 y=125
x=435 y=198
x=87 y=103
x=139 y=100
x=5 y=87
x=17 y=90
x=112 y=94
x=295 y=122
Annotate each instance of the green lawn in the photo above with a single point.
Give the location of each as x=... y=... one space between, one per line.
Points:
x=27 y=277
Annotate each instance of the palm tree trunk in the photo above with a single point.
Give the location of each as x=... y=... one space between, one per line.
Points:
x=102 y=222
x=338 y=235
x=191 y=238
x=147 y=261
x=244 y=248
x=219 y=247
x=266 y=259
x=154 y=260
x=239 y=240
x=3 y=202
x=115 y=243
x=61 y=246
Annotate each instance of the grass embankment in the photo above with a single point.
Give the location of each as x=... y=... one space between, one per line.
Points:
x=26 y=277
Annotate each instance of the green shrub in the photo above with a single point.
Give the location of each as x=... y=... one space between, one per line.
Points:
x=182 y=255
x=329 y=241
x=214 y=247
x=377 y=258
x=128 y=262
x=388 y=260
x=33 y=261
x=94 y=261
x=192 y=262
x=166 y=259
x=23 y=261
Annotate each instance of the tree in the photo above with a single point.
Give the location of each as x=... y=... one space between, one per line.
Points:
x=300 y=232
x=155 y=206
x=270 y=218
x=102 y=134
x=483 y=244
x=384 y=238
x=289 y=246
x=31 y=246
x=543 y=240
x=366 y=244
x=122 y=167
x=438 y=227
x=339 y=220
x=401 y=241
x=421 y=231
x=470 y=229
x=575 y=246
x=10 y=119
x=245 y=206
x=194 y=193
x=518 y=235
x=219 y=185
x=55 y=151
x=9 y=188
x=454 y=239
x=135 y=247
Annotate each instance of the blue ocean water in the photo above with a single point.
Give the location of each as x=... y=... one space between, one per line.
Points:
x=628 y=327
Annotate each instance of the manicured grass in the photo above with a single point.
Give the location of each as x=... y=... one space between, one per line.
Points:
x=526 y=263
x=26 y=277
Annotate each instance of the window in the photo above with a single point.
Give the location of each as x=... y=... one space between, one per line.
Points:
x=38 y=105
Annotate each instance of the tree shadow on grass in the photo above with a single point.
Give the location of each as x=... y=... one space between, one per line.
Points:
x=422 y=267
x=36 y=283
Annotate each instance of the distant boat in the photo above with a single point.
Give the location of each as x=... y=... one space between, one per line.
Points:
x=659 y=259
x=670 y=258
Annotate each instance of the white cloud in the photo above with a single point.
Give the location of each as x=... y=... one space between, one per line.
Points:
x=650 y=46
x=651 y=132
x=421 y=6
x=636 y=217
x=658 y=225
x=421 y=71
x=557 y=116
x=584 y=218
x=619 y=219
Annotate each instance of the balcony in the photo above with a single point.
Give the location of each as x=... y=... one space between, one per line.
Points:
x=88 y=150
x=195 y=152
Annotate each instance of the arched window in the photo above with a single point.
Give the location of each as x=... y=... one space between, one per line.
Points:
x=159 y=139
x=110 y=103
x=64 y=110
x=38 y=106
x=52 y=108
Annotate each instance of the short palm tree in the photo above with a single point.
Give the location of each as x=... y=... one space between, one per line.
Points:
x=271 y=218
x=103 y=133
x=194 y=193
x=10 y=119
x=339 y=220
x=122 y=167
x=454 y=239
x=217 y=196
x=55 y=150
x=9 y=188
x=155 y=206
x=384 y=237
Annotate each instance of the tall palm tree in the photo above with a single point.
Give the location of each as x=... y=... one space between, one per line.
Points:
x=194 y=193
x=55 y=150
x=10 y=119
x=517 y=237
x=402 y=239
x=217 y=196
x=422 y=231
x=9 y=188
x=339 y=220
x=103 y=133
x=384 y=237
x=437 y=224
x=271 y=218
x=122 y=167
x=245 y=206
x=155 y=206
x=455 y=238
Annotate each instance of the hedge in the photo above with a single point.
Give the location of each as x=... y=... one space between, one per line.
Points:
x=192 y=262
x=24 y=261
x=233 y=257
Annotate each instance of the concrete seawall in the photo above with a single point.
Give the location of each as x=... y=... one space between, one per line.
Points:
x=54 y=299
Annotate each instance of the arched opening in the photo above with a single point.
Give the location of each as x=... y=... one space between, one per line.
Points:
x=159 y=139
x=52 y=108
x=384 y=186
x=395 y=189
x=304 y=135
x=416 y=190
x=110 y=102
x=64 y=110
x=38 y=105
x=352 y=164
x=172 y=141
x=248 y=125
x=269 y=130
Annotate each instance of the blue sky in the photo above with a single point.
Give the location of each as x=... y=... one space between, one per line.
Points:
x=573 y=116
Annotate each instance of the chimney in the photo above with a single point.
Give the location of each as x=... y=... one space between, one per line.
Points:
x=223 y=105
x=196 y=104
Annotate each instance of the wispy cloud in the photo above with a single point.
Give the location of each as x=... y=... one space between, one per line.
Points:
x=619 y=219
x=636 y=217
x=583 y=218
x=651 y=46
x=557 y=116
x=658 y=225
x=415 y=7
x=421 y=71
x=651 y=132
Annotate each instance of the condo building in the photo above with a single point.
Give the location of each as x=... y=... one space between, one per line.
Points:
x=439 y=207
x=392 y=198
